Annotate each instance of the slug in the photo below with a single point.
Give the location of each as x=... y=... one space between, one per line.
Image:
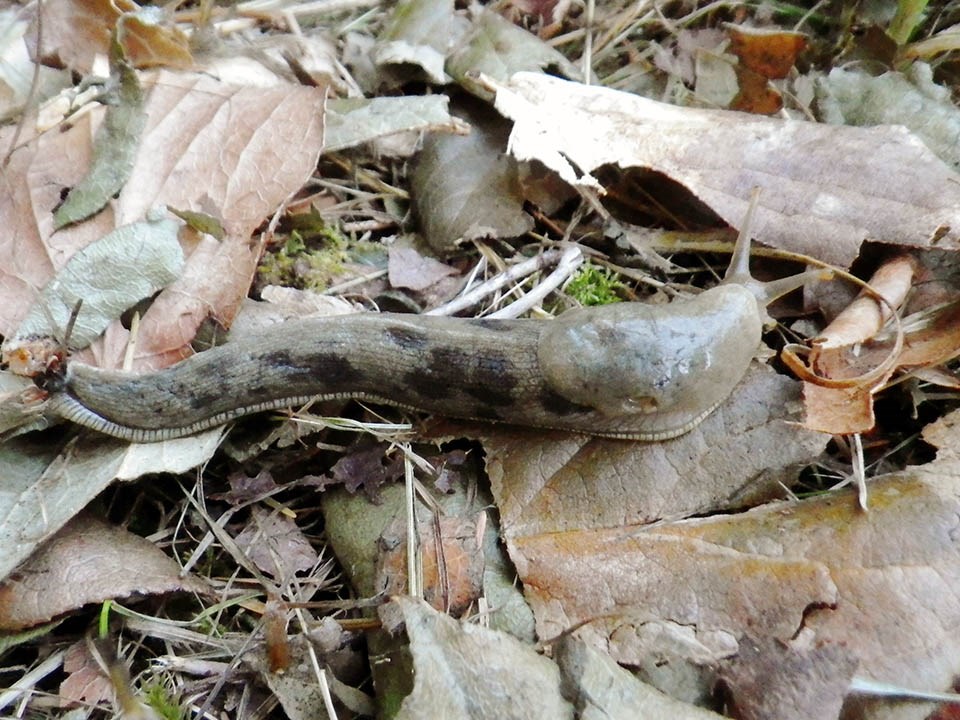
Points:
x=629 y=370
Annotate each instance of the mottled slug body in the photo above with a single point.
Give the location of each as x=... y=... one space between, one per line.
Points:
x=628 y=370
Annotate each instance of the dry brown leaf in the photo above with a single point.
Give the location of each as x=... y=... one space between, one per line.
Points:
x=30 y=189
x=465 y=188
x=463 y=670
x=764 y=54
x=768 y=52
x=864 y=317
x=825 y=188
x=240 y=150
x=276 y=545
x=76 y=31
x=839 y=411
x=879 y=583
x=453 y=578
x=756 y=94
x=85 y=683
x=553 y=482
x=845 y=368
x=151 y=39
x=87 y=561
x=409 y=268
x=788 y=681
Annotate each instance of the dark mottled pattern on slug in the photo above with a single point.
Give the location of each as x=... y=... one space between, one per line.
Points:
x=337 y=369
x=588 y=371
x=406 y=338
x=558 y=405
x=489 y=324
x=485 y=412
x=427 y=386
x=492 y=396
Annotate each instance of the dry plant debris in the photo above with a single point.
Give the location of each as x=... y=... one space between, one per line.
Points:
x=423 y=156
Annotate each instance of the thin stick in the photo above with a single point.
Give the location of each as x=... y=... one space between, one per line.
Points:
x=571 y=259
x=501 y=280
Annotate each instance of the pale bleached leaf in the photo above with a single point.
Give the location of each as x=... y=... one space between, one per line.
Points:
x=355 y=121
x=110 y=275
x=825 y=188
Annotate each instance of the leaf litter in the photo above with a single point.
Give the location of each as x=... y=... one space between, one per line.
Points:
x=681 y=560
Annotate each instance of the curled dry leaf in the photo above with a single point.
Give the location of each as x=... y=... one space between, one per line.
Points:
x=764 y=55
x=114 y=147
x=825 y=188
x=76 y=31
x=850 y=362
x=497 y=47
x=770 y=53
x=451 y=556
x=419 y=34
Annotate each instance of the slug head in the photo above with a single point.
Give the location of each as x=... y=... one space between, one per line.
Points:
x=655 y=371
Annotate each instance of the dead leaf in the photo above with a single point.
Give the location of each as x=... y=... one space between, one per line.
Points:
x=498 y=48
x=354 y=121
x=114 y=147
x=276 y=545
x=47 y=483
x=85 y=683
x=99 y=276
x=788 y=681
x=76 y=31
x=450 y=555
x=17 y=76
x=601 y=690
x=29 y=190
x=88 y=561
x=419 y=34
x=769 y=52
x=825 y=188
x=546 y=482
x=878 y=583
x=847 y=366
x=755 y=94
x=151 y=39
x=466 y=188
x=463 y=670
x=410 y=269
x=910 y=98
x=355 y=526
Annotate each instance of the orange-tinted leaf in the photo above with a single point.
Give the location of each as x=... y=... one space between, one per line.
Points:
x=769 y=53
x=452 y=570
x=150 y=39
x=79 y=30
x=756 y=94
